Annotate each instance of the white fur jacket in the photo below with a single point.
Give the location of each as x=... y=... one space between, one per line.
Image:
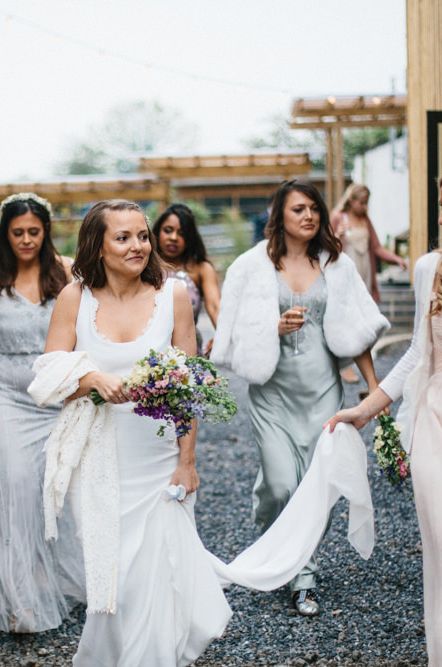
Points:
x=247 y=339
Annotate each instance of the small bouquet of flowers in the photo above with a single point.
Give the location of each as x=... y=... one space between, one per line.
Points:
x=390 y=455
x=170 y=385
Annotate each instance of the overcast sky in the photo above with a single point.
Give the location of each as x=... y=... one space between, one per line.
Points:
x=227 y=66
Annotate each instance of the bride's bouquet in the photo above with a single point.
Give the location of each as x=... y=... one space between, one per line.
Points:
x=176 y=388
x=390 y=455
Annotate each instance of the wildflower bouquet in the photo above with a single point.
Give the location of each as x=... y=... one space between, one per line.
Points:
x=391 y=457
x=171 y=386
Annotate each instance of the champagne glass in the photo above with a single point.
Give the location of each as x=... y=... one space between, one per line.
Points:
x=299 y=303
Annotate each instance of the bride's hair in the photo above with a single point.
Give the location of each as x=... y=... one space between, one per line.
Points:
x=325 y=239
x=88 y=267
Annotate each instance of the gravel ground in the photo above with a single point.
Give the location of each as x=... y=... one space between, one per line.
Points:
x=371 y=611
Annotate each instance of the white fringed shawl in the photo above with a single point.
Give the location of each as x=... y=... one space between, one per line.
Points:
x=84 y=435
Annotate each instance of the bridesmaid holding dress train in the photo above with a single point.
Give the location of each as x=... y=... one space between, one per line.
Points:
x=418 y=377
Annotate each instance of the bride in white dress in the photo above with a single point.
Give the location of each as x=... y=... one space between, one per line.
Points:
x=117 y=313
x=155 y=595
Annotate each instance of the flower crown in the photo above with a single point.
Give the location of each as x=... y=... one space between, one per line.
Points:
x=25 y=196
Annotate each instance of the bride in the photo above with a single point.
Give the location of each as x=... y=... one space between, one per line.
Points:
x=119 y=309
x=154 y=593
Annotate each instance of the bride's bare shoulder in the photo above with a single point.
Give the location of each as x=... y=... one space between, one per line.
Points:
x=69 y=298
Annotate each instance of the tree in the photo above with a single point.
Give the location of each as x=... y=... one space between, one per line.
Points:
x=280 y=137
x=129 y=131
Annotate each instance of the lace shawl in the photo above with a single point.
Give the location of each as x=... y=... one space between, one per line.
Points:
x=83 y=435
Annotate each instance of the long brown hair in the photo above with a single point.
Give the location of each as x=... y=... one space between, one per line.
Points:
x=274 y=231
x=436 y=304
x=88 y=267
x=194 y=249
x=52 y=276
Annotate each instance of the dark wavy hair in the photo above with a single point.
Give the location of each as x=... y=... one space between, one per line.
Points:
x=194 y=249
x=52 y=276
x=274 y=230
x=88 y=267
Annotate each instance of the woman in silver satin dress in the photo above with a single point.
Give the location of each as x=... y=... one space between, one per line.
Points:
x=180 y=245
x=37 y=581
x=288 y=411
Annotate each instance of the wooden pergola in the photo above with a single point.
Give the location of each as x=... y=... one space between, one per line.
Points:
x=233 y=177
x=284 y=165
x=332 y=114
x=83 y=190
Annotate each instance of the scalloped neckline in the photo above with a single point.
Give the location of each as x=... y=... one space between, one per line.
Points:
x=95 y=306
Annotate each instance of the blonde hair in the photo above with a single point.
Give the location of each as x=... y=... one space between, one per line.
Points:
x=436 y=304
x=353 y=191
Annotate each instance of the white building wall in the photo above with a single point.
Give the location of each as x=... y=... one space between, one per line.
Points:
x=388 y=206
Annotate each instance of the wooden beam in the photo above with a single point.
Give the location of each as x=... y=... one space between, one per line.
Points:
x=83 y=192
x=349 y=106
x=224 y=166
x=339 y=163
x=330 y=188
x=424 y=78
x=396 y=120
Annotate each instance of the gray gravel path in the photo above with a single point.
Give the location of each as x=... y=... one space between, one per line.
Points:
x=371 y=611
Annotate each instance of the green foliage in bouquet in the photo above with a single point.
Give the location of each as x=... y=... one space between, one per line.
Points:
x=391 y=456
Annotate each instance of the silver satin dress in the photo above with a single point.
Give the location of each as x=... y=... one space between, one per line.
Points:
x=288 y=411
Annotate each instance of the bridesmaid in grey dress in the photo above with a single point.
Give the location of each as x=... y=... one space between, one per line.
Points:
x=289 y=410
x=37 y=582
x=181 y=246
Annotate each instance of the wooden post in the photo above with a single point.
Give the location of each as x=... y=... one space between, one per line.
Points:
x=339 y=164
x=424 y=74
x=330 y=190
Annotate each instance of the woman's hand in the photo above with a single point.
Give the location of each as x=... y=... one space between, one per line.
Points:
x=375 y=402
x=109 y=386
x=340 y=229
x=186 y=475
x=292 y=320
x=356 y=416
x=208 y=348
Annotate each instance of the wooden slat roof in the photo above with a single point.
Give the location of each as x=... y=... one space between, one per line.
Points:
x=346 y=111
x=86 y=189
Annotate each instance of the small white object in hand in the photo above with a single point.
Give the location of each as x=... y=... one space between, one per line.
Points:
x=175 y=492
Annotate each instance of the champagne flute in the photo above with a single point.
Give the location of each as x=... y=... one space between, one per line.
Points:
x=299 y=303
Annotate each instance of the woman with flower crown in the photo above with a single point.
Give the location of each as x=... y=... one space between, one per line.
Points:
x=418 y=378
x=38 y=582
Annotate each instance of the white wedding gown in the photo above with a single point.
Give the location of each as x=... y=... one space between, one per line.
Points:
x=170 y=602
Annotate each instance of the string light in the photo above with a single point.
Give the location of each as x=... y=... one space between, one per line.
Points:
x=175 y=71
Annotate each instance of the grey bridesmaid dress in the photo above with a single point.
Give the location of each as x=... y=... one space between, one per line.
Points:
x=288 y=411
x=39 y=581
